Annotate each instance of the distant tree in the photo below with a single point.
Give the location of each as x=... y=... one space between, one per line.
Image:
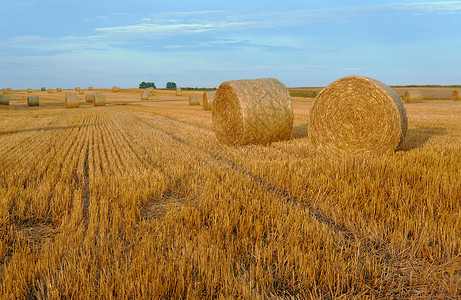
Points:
x=170 y=85
x=145 y=85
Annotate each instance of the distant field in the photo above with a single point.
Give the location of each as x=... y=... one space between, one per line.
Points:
x=137 y=199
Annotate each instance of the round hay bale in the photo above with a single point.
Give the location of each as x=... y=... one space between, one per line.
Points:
x=81 y=92
x=455 y=96
x=29 y=91
x=178 y=92
x=194 y=100
x=32 y=101
x=357 y=115
x=8 y=89
x=50 y=91
x=208 y=98
x=4 y=100
x=115 y=89
x=58 y=89
x=77 y=89
x=90 y=88
x=257 y=111
x=72 y=101
x=43 y=89
x=99 y=100
x=413 y=96
x=145 y=95
x=4 y=92
x=89 y=98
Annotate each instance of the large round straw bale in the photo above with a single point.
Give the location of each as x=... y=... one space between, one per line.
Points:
x=58 y=89
x=357 y=115
x=4 y=100
x=32 y=101
x=455 y=96
x=178 y=92
x=43 y=89
x=257 y=111
x=72 y=101
x=208 y=98
x=99 y=100
x=413 y=96
x=194 y=99
x=29 y=90
x=145 y=95
x=89 y=98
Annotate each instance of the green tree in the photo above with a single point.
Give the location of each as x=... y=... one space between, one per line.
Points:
x=170 y=85
x=145 y=85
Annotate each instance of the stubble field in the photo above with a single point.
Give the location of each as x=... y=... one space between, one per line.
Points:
x=137 y=199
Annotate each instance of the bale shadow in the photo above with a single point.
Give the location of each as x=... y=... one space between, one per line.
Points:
x=417 y=137
x=299 y=131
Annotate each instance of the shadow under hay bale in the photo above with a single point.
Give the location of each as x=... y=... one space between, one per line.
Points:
x=418 y=137
x=357 y=115
x=257 y=111
x=413 y=96
x=300 y=131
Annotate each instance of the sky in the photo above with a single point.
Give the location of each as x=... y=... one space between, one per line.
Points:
x=56 y=43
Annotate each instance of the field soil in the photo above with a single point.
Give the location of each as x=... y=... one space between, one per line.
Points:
x=138 y=199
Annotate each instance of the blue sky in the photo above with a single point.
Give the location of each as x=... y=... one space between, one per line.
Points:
x=203 y=43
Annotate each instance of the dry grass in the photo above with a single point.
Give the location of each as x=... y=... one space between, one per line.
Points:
x=141 y=201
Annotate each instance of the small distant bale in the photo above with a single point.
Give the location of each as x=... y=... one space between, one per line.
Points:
x=178 y=92
x=29 y=91
x=257 y=111
x=89 y=98
x=81 y=92
x=194 y=100
x=90 y=88
x=77 y=89
x=72 y=101
x=4 y=92
x=32 y=101
x=455 y=96
x=115 y=89
x=50 y=91
x=9 y=89
x=43 y=89
x=99 y=100
x=208 y=98
x=58 y=89
x=4 y=100
x=357 y=115
x=413 y=96
x=145 y=95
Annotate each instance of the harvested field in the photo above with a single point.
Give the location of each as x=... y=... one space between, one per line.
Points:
x=138 y=199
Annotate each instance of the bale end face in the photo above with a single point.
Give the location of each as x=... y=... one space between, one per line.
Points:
x=194 y=100
x=4 y=100
x=357 y=115
x=413 y=96
x=33 y=101
x=145 y=95
x=72 y=101
x=89 y=98
x=178 y=92
x=58 y=89
x=257 y=111
x=43 y=89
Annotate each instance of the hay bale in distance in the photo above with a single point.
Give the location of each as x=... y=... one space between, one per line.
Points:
x=9 y=89
x=178 y=92
x=4 y=100
x=357 y=115
x=90 y=88
x=208 y=98
x=50 y=91
x=58 y=89
x=413 y=96
x=72 y=101
x=4 y=92
x=81 y=92
x=115 y=89
x=33 y=101
x=43 y=89
x=29 y=91
x=145 y=95
x=89 y=98
x=257 y=111
x=455 y=96
x=99 y=100
x=194 y=100
x=77 y=89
